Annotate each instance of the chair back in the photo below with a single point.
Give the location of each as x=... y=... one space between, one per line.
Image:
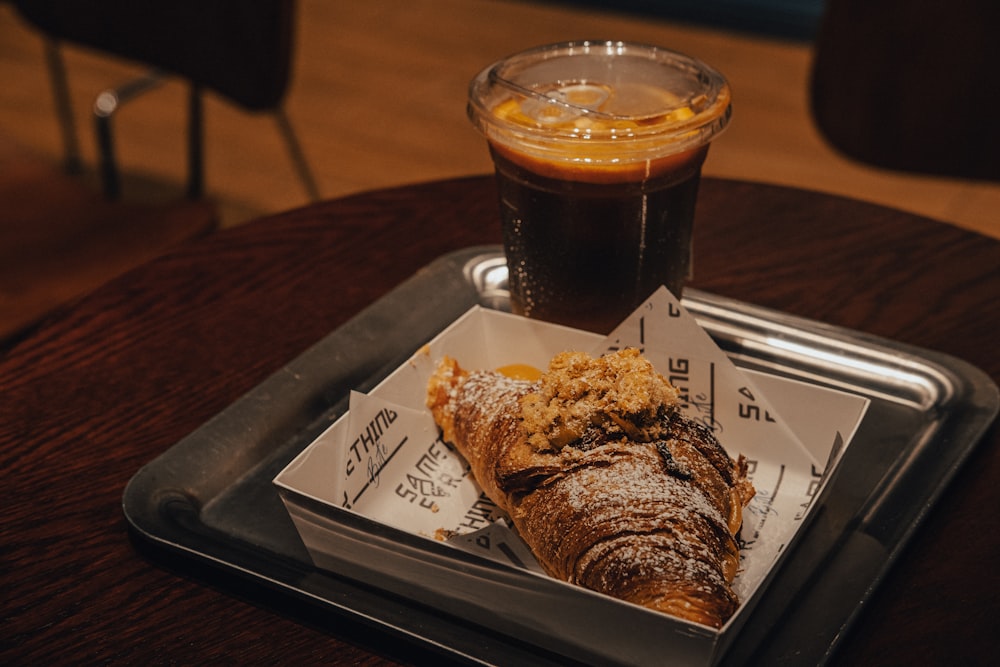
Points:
x=911 y=85
x=241 y=49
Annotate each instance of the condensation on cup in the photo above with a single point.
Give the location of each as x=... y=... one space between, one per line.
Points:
x=598 y=148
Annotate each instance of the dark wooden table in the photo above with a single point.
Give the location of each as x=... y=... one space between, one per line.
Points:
x=114 y=380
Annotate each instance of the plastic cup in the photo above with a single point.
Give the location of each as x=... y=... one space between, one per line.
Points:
x=598 y=148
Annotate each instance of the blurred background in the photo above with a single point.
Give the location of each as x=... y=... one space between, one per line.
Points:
x=376 y=98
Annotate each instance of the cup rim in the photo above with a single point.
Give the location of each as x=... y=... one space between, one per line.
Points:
x=711 y=107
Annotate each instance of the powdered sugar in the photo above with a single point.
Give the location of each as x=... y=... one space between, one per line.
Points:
x=637 y=511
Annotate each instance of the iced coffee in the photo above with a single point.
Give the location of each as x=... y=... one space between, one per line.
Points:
x=598 y=148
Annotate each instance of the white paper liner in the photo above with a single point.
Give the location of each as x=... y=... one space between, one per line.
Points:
x=385 y=459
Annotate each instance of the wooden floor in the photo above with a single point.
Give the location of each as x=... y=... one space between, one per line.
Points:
x=378 y=100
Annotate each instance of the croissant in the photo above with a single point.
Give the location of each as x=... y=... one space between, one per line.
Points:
x=604 y=479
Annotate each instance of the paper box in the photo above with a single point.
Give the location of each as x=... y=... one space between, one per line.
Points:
x=381 y=498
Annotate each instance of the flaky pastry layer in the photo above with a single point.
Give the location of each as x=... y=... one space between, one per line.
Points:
x=605 y=480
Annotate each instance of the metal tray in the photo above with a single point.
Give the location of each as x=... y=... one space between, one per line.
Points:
x=209 y=499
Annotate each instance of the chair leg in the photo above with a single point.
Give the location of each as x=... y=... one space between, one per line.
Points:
x=297 y=154
x=109 y=101
x=64 y=107
x=105 y=106
x=107 y=165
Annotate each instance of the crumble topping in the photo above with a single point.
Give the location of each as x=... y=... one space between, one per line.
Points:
x=583 y=402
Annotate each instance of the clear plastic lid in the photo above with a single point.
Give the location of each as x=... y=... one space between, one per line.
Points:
x=599 y=102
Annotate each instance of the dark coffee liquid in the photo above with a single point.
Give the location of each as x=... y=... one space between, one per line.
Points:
x=587 y=254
